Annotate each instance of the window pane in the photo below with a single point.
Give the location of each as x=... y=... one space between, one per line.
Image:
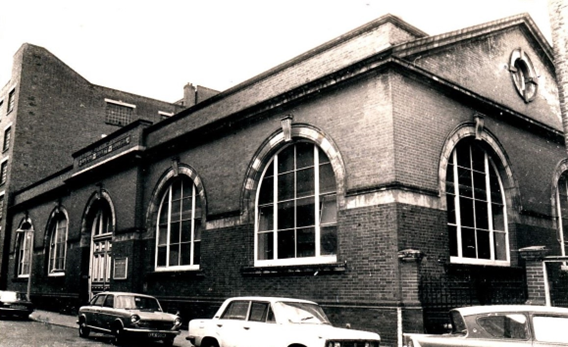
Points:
x=265 y=246
x=306 y=183
x=185 y=254
x=305 y=155
x=483 y=247
x=163 y=235
x=463 y=157
x=496 y=196
x=500 y=246
x=286 y=244
x=450 y=199
x=481 y=218
x=286 y=160
x=162 y=256
x=266 y=194
x=464 y=177
x=306 y=242
x=468 y=243
x=322 y=157
x=478 y=158
x=236 y=310
x=305 y=215
x=286 y=186
x=480 y=189
x=174 y=255
x=186 y=231
x=286 y=215
x=498 y=217
x=176 y=190
x=326 y=179
x=186 y=208
x=328 y=212
x=258 y=311
x=466 y=212
x=175 y=233
x=187 y=188
x=266 y=218
x=328 y=240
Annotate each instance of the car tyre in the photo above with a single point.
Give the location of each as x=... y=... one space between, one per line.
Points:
x=210 y=343
x=118 y=334
x=84 y=330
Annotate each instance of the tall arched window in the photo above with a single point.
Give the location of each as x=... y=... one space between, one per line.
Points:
x=296 y=210
x=57 y=244
x=178 y=233
x=101 y=248
x=562 y=211
x=24 y=248
x=477 y=211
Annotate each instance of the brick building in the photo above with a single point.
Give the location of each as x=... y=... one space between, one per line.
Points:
x=387 y=174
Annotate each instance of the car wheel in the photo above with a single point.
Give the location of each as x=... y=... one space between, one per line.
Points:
x=84 y=330
x=209 y=343
x=118 y=335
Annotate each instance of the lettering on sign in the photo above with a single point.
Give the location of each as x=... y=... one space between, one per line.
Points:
x=104 y=150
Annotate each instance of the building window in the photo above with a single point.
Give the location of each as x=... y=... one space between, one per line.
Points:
x=11 y=101
x=57 y=244
x=178 y=233
x=7 y=137
x=562 y=210
x=1 y=206
x=3 y=172
x=524 y=76
x=101 y=259
x=296 y=214
x=477 y=214
x=118 y=113
x=24 y=253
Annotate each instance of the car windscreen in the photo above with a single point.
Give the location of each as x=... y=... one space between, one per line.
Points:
x=300 y=313
x=133 y=302
x=458 y=324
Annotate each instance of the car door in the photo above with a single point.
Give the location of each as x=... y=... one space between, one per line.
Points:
x=106 y=312
x=260 y=328
x=93 y=310
x=230 y=327
x=550 y=330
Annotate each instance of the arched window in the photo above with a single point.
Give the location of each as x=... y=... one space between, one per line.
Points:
x=24 y=247
x=562 y=210
x=57 y=244
x=101 y=248
x=296 y=210
x=178 y=234
x=477 y=211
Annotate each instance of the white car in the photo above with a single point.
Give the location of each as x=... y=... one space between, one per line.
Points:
x=274 y=322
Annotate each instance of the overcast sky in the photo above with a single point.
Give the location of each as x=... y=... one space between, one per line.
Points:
x=154 y=48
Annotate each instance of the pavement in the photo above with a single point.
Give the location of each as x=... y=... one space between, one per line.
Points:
x=69 y=321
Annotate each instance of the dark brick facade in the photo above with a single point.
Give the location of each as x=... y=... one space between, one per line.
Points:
x=386 y=103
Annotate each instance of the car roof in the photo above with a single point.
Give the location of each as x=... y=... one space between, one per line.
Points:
x=270 y=299
x=125 y=293
x=473 y=310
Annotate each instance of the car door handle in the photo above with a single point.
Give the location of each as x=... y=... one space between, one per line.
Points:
x=220 y=325
x=246 y=328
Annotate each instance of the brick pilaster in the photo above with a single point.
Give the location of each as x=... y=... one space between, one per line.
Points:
x=536 y=291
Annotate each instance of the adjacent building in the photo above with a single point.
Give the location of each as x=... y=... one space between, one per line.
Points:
x=387 y=174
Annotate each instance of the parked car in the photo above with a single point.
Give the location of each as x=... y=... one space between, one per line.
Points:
x=15 y=304
x=273 y=322
x=503 y=325
x=128 y=315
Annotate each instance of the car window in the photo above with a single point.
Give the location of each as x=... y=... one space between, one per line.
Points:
x=236 y=310
x=458 y=324
x=505 y=326
x=134 y=302
x=98 y=300
x=550 y=329
x=259 y=311
x=109 y=302
x=300 y=312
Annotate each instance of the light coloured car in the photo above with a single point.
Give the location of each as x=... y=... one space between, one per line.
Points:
x=274 y=322
x=128 y=315
x=500 y=325
x=15 y=304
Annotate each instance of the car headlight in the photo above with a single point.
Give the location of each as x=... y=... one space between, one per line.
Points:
x=135 y=319
x=177 y=322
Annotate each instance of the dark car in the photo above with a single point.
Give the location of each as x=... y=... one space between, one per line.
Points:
x=500 y=325
x=15 y=304
x=128 y=315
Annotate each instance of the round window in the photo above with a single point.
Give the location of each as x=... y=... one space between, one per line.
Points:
x=524 y=75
